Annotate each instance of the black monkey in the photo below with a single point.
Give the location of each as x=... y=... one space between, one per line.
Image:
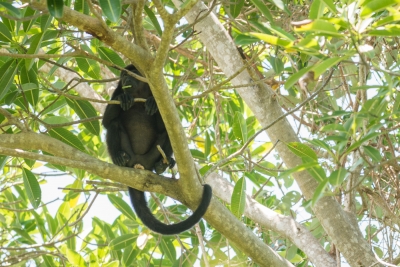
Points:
x=134 y=129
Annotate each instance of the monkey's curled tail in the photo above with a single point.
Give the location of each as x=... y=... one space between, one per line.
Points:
x=139 y=204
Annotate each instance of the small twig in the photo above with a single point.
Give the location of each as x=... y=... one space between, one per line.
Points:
x=163 y=154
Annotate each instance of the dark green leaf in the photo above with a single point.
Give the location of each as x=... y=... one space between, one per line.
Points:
x=235 y=7
x=81 y=6
x=112 y=9
x=7 y=73
x=55 y=8
x=264 y=10
x=85 y=110
x=5 y=35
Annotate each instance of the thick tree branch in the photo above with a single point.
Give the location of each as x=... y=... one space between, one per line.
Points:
x=284 y=225
x=345 y=235
x=217 y=214
x=140 y=57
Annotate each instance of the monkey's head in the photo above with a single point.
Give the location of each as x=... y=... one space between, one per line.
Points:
x=133 y=86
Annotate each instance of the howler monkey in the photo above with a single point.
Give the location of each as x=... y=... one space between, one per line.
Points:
x=134 y=129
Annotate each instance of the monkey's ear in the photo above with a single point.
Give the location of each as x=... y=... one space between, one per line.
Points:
x=150 y=106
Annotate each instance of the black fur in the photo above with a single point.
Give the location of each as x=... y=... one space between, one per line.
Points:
x=134 y=129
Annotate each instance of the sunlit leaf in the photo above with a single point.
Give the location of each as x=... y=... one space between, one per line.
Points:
x=122 y=206
x=67 y=137
x=123 y=241
x=302 y=150
x=32 y=188
x=321 y=27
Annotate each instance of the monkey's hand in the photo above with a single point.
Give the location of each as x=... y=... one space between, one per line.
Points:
x=161 y=165
x=126 y=100
x=121 y=159
x=150 y=106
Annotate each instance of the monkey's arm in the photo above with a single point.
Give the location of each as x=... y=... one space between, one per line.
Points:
x=150 y=105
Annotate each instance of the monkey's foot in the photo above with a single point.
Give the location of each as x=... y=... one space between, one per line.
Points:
x=138 y=166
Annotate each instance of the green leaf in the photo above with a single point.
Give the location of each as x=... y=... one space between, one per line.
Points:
x=32 y=187
x=320 y=27
x=295 y=77
x=109 y=55
x=123 y=241
x=5 y=34
x=12 y=9
x=7 y=73
x=323 y=145
x=387 y=30
x=316 y=9
x=319 y=192
x=315 y=169
x=45 y=22
x=153 y=19
x=129 y=256
x=89 y=67
x=75 y=258
x=273 y=39
x=27 y=24
x=122 y=206
x=111 y=9
x=29 y=84
x=321 y=67
x=373 y=153
x=167 y=248
x=3 y=160
x=238 y=199
x=264 y=10
x=235 y=7
x=67 y=137
x=85 y=110
x=55 y=8
x=81 y=6
x=36 y=42
x=337 y=176
x=207 y=145
x=239 y=127
x=375 y=6
x=302 y=150
x=362 y=140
